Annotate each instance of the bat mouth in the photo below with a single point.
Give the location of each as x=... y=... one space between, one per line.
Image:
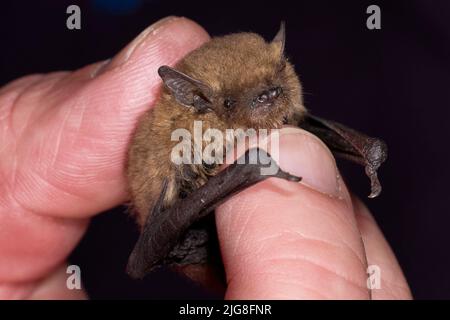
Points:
x=263 y=107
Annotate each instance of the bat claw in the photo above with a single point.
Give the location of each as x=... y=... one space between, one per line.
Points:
x=375 y=186
x=287 y=176
x=375 y=154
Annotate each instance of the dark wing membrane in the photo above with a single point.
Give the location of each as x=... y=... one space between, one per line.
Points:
x=350 y=144
x=165 y=227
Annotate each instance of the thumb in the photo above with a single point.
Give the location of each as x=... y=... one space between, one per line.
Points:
x=63 y=146
x=78 y=124
x=285 y=240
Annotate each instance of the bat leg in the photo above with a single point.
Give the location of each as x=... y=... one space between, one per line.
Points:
x=164 y=228
x=197 y=256
x=350 y=144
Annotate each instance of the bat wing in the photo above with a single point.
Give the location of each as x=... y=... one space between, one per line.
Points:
x=165 y=227
x=350 y=144
x=161 y=241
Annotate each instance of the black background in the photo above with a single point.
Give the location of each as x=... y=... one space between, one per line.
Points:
x=393 y=83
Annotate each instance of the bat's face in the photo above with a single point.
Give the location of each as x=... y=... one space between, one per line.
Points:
x=258 y=88
x=246 y=81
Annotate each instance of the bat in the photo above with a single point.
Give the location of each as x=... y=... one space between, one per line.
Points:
x=236 y=81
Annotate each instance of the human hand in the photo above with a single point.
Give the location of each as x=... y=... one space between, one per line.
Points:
x=307 y=240
x=63 y=141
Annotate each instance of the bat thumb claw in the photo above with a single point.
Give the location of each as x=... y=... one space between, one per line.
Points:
x=375 y=184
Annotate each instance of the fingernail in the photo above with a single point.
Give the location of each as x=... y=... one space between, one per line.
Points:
x=306 y=156
x=124 y=55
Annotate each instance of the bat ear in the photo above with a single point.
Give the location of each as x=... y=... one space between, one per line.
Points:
x=186 y=90
x=280 y=38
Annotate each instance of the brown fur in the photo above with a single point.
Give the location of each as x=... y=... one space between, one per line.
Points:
x=237 y=66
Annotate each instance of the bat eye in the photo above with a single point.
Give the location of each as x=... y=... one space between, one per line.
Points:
x=262 y=98
x=228 y=103
x=269 y=95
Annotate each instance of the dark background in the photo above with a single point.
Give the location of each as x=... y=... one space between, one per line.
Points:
x=393 y=83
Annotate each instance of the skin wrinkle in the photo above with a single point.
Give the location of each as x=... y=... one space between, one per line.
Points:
x=228 y=206
x=61 y=189
x=59 y=136
x=34 y=177
x=241 y=274
x=298 y=284
x=18 y=83
x=9 y=119
x=34 y=93
x=14 y=105
x=322 y=241
x=250 y=212
x=346 y=222
x=14 y=168
x=328 y=244
x=345 y=205
x=248 y=258
x=326 y=213
x=80 y=115
x=303 y=258
x=240 y=205
x=80 y=118
x=52 y=81
x=74 y=171
x=295 y=283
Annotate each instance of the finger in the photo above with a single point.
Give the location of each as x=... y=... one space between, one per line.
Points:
x=63 y=143
x=388 y=281
x=64 y=148
x=288 y=240
x=55 y=287
x=52 y=287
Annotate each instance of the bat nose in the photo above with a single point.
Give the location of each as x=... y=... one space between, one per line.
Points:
x=269 y=95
